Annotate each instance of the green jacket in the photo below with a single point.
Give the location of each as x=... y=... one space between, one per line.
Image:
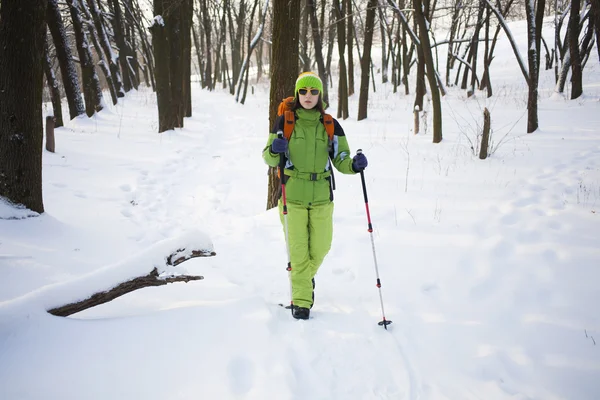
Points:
x=307 y=167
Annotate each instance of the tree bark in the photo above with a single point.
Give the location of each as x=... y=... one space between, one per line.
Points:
x=312 y=9
x=208 y=46
x=187 y=16
x=22 y=38
x=174 y=25
x=576 y=70
x=485 y=137
x=532 y=101
x=105 y=44
x=121 y=44
x=475 y=46
x=595 y=4
x=92 y=93
x=65 y=60
x=150 y=280
x=365 y=62
x=349 y=37
x=342 y=109
x=53 y=86
x=104 y=65
x=284 y=72
x=431 y=73
x=166 y=117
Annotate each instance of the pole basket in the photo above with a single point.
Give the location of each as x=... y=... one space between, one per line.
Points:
x=384 y=323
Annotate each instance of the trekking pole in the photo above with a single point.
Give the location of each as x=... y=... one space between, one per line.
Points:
x=285 y=223
x=384 y=322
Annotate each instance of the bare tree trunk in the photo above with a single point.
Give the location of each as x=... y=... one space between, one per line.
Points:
x=108 y=53
x=431 y=73
x=305 y=59
x=312 y=9
x=123 y=49
x=365 y=62
x=349 y=35
x=99 y=51
x=22 y=38
x=187 y=14
x=532 y=102
x=385 y=50
x=453 y=31
x=485 y=80
x=166 y=117
x=595 y=4
x=65 y=60
x=475 y=47
x=342 y=109
x=485 y=137
x=207 y=30
x=576 y=70
x=286 y=29
x=92 y=92
x=330 y=45
x=198 y=55
x=173 y=19
x=539 y=23
x=53 y=86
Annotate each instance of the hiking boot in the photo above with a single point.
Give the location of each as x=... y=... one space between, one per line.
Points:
x=300 y=313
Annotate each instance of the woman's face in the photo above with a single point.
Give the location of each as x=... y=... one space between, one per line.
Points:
x=308 y=97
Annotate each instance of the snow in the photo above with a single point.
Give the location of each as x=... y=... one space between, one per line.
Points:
x=489 y=268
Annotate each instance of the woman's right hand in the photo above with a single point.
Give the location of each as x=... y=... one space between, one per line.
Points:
x=279 y=145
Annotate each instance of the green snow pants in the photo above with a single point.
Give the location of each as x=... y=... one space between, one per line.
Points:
x=310 y=232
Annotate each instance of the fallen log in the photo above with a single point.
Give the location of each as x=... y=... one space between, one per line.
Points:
x=154 y=278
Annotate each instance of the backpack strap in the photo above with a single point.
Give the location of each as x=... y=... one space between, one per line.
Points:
x=329 y=127
x=288 y=124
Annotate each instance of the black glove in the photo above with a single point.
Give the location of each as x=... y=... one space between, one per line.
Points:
x=359 y=162
x=279 y=145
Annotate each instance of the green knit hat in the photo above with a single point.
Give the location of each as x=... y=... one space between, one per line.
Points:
x=308 y=80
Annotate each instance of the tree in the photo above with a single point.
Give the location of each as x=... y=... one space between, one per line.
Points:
x=106 y=47
x=595 y=4
x=316 y=34
x=431 y=72
x=22 y=38
x=53 y=87
x=532 y=101
x=124 y=52
x=207 y=28
x=65 y=60
x=365 y=62
x=338 y=12
x=166 y=117
x=284 y=72
x=92 y=92
x=576 y=70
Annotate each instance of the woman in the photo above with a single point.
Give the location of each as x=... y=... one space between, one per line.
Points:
x=307 y=181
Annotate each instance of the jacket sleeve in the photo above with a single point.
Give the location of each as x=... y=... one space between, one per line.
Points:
x=272 y=159
x=340 y=153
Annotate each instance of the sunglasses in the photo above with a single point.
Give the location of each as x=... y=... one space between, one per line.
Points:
x=314 y=92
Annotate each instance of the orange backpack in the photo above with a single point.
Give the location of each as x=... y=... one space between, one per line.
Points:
x=290 y=119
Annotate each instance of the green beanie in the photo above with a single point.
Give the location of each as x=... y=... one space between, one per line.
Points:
x=308 y=79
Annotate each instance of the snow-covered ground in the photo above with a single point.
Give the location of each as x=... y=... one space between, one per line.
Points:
x=490 y=269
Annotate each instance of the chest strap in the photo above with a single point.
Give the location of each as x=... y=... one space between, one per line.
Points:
x=309 y=176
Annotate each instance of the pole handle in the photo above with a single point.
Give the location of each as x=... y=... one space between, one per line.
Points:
x=281 y=157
